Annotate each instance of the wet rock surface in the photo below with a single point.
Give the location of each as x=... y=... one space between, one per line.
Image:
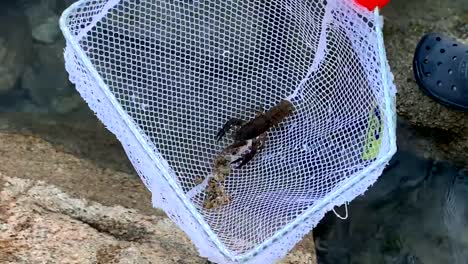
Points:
x=405 y=23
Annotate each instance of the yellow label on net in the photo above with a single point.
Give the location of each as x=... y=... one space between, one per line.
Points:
x=374 y=134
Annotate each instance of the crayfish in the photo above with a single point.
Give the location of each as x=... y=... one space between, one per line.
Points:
x=252 y=134
x=248 y=139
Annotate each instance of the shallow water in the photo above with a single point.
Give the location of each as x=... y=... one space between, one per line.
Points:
x=415 y=213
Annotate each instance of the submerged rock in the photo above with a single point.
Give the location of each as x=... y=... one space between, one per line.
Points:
x=66 y=104
x=40 y=10
x=47 y=80
x=48 y=31
x=15 y=47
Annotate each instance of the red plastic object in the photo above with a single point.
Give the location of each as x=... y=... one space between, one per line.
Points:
x=372 y=4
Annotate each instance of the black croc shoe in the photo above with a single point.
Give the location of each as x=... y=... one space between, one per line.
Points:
x=440 y=67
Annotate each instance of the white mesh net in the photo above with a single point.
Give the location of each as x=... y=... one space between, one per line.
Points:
x=165 y=76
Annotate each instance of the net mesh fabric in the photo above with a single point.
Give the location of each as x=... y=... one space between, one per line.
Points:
x=164 y=77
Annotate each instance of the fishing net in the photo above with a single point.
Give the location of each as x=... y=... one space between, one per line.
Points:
x=165 y=76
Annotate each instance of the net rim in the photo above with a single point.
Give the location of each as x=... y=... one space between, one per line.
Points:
x=167 y=172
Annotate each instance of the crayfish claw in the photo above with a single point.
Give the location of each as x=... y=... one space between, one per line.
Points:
x=227 y=126
x=245 y=158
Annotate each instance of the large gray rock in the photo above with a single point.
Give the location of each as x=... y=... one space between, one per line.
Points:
x=15 y=47
x=55 y=206
x=405 y=23
x=40 y=223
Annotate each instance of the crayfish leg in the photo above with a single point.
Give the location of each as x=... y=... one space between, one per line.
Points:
x=227 y=126
x=245 y=158
x=237 y=144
